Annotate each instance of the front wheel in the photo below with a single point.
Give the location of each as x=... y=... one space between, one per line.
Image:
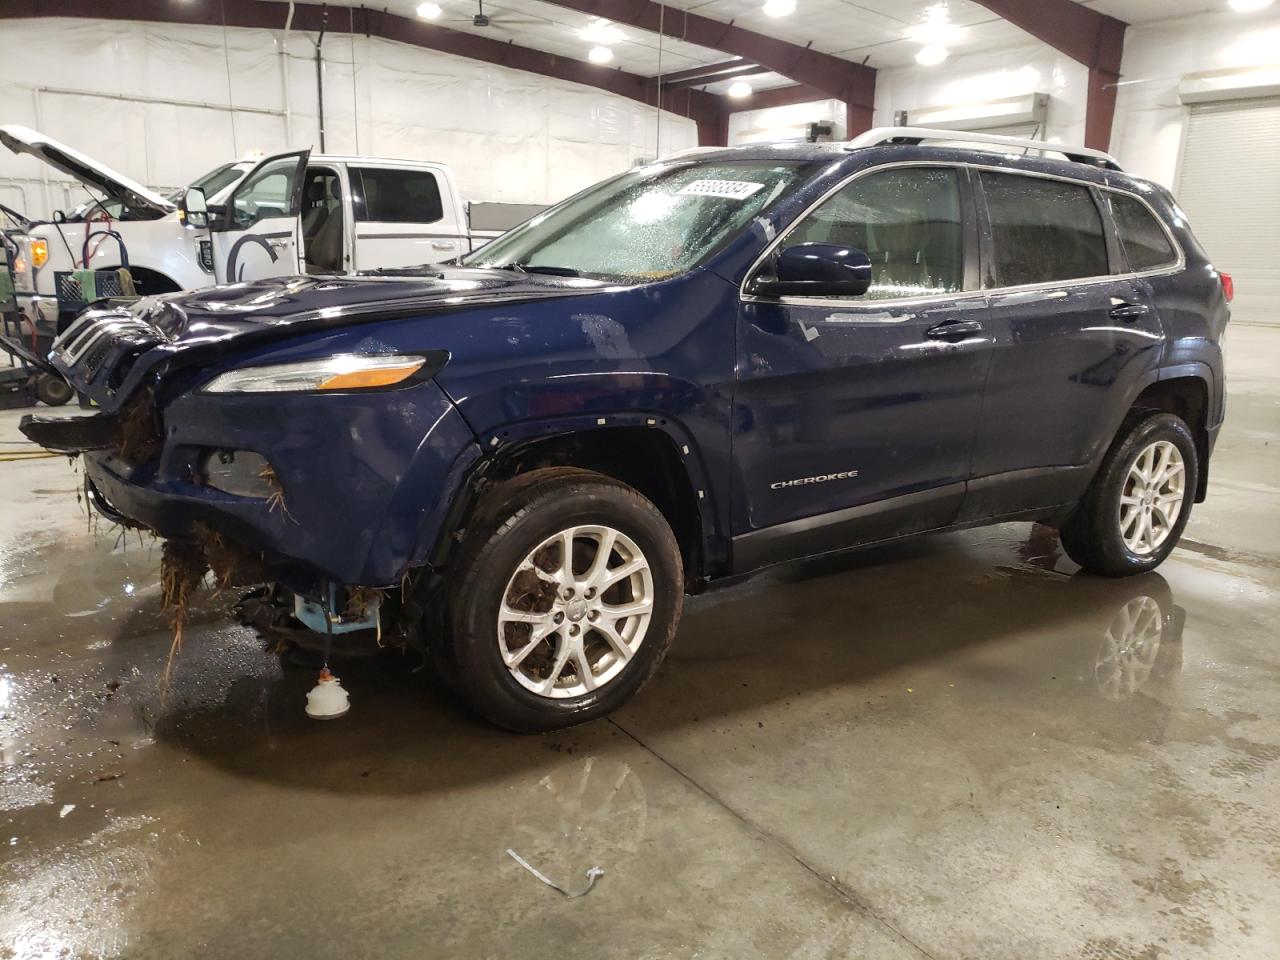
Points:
x=566 y=597
x=1133 y=514
x=52 y=390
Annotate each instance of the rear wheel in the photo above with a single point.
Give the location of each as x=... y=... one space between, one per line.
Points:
x=1139 y=503
x=565 y=599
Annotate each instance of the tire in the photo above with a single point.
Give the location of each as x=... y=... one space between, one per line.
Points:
x=1093 y=536
x=53 y=390
x=519 y=526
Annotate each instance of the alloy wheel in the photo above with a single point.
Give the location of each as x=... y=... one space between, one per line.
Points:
x=1152 y=498
x=575 y=611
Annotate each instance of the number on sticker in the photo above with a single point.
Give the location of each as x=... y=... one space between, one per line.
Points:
x=728 y=189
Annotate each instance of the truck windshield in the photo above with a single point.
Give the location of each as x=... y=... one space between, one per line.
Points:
x=644 y=225
x=216 y=180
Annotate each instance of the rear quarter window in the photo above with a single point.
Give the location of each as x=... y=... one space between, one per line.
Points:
x=395 y=196
x=1146 y=243
x=1042 y=230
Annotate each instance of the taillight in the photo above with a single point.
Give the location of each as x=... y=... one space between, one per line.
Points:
x=1228 y=286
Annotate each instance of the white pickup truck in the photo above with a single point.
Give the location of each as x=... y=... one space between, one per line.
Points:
x=292 y=213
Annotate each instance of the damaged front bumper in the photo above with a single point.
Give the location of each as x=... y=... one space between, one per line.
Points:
x=356 y=494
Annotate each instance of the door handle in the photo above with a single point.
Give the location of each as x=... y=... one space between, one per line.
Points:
x=279 y=244
x=1128 y=312
x=954 y=330
x=441 y=244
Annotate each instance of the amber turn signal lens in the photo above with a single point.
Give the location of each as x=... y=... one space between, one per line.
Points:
x=39 y=252
x=376 y=377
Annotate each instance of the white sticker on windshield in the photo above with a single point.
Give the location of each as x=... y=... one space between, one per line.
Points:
x=729 y=189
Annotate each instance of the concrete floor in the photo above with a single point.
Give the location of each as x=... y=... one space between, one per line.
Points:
x=950 y=748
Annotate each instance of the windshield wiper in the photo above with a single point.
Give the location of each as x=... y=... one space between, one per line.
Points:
x=539 y=268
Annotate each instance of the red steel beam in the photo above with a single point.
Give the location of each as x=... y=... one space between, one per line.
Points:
x=840 y=79
x=1092 y=38
x=697 y=105
x=712 y=73
x=779 y=97
x=692 y=73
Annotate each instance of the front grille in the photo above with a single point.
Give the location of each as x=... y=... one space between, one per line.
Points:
x=95 y=327
x=98 y=343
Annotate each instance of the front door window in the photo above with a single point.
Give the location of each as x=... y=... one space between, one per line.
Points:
x=906 y=220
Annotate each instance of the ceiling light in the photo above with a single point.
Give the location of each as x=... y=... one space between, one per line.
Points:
x=429 y=11
x=936 y=28
x=600 y=55
x=779 y=8
x=600 y=31
x=931 y=55
x=1248 y=6
x=739 y=89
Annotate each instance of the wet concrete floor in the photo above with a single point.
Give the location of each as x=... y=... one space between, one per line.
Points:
x=957 y=747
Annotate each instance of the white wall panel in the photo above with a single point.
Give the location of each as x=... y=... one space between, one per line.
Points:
x=509 y=135
x=992 y=75
x=1150 y=119
x=785 y=123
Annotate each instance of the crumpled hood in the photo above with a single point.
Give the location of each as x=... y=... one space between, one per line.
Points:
x=108 y=350
x=210 y=315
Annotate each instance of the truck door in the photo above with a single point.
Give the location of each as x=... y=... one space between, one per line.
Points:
x=259 y=233
x=403 y=216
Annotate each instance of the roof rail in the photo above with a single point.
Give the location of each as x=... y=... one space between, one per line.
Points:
x=914 y=135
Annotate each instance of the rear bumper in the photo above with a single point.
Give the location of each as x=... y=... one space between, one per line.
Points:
x=365 y=479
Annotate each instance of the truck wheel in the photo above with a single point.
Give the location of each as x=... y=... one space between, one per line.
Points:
x=565 y=598
x=1134 y=512
x=53 y=390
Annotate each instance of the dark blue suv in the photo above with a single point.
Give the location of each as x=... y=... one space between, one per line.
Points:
x=719 y=361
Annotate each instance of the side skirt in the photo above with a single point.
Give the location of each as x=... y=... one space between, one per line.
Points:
x=911 y=513
x=1051 y=515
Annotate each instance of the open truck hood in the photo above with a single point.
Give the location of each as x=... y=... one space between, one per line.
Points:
x=85 y=169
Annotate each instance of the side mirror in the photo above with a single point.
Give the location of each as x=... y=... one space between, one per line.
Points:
x=194 y=210
x=815 y=270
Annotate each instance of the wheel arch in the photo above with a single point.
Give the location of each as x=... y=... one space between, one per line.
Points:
x=651 y=453
x=1186 y=394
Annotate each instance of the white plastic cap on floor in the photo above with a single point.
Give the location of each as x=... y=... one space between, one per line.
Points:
x=327 y=700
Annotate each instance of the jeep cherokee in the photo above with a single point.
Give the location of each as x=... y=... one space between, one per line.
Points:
x=720 y=361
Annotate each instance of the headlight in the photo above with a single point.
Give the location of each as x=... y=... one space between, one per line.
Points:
x=344 y=371
x=39 y=249
x=21 y=266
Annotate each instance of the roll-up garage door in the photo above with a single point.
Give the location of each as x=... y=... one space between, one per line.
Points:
x=1230 y=190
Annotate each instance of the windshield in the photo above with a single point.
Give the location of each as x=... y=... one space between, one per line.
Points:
x=645 y=225
x=216 y=180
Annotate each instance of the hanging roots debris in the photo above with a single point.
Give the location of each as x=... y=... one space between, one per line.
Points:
x=140 y=438
x=232 y=565
x=182 y=569
x=183 y=564
x=269 y=476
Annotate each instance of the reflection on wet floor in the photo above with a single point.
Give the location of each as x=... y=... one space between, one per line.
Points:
x=958 y=746
x=940 y=650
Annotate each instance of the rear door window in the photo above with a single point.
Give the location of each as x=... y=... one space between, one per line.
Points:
x=1042 y=230
x=1146 y=244
x=395 y=196
x=906 y=220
